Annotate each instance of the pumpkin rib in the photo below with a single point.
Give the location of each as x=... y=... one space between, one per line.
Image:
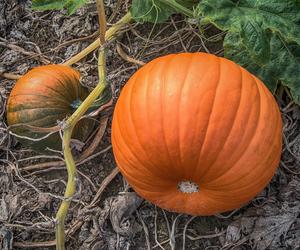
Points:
x=59 y=94
x=22 y=109
x=43 y=96
x=185 y=89
x=117 y=128
x=180 y=116
x=78 y=87
x=160 y=106
x=248 y=145
x=208 y=120
x=176 y=159
x=50 y=87
x=158 y=193
x=144 y=185
x=146 y=91
x=170 y=197
x=75 y=87
x=178 y=108
x=58 y=80
x=44 y=118
x=29 y=119
x=198 y=123
x=45 y=73
x=81 y=90
x=66 y=83
x=271 y=149
x=122 y=137
x=160 y=101
x=258 y=121
x=211 y=111
x=233 y=165
x=255 y=183
x=251 y=185
x=160 y=66
x=132 y=123
x=166 y=64
x=69 y=83
x=243 y=98
x=80 y=93
x=148 y=106
x=233 y=122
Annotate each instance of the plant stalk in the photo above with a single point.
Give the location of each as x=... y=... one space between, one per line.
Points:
x=109 y=35
x=67 y=132
x=69 y=192
x=102 y=21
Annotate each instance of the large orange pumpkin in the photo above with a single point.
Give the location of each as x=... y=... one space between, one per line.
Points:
x=43 y=97
x=197 y=134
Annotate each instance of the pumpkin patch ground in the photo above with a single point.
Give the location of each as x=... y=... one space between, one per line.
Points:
x=105 y=213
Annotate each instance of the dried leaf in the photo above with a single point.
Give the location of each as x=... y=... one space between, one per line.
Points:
x=268 y=231
x=120 y=212
x=9 y=207
x=111 y=224
x=4 y=215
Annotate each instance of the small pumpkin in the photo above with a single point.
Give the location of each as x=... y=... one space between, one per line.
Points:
x=195 y=133
x=43 y=97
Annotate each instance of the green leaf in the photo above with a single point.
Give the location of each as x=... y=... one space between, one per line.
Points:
x=158 y=11
x=256 y=40
x=235 y=49
x=262 y=35
x=150 y=11
x=70 y=5
x=188 y=3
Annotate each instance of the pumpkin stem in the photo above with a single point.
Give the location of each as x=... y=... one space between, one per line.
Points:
x=188 y=187
x=109 y=35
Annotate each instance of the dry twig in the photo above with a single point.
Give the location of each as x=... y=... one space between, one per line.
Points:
x=127 y=58
x=14 y=47
x=10 y=76
x=103 y=185
x=146 y=231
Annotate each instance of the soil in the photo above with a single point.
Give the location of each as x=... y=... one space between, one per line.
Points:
x=32 y=184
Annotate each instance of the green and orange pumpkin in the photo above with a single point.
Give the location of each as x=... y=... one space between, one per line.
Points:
x=42 y=98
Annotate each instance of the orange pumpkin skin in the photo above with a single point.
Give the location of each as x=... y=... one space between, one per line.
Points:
x=41 y=98
x=199 y=118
